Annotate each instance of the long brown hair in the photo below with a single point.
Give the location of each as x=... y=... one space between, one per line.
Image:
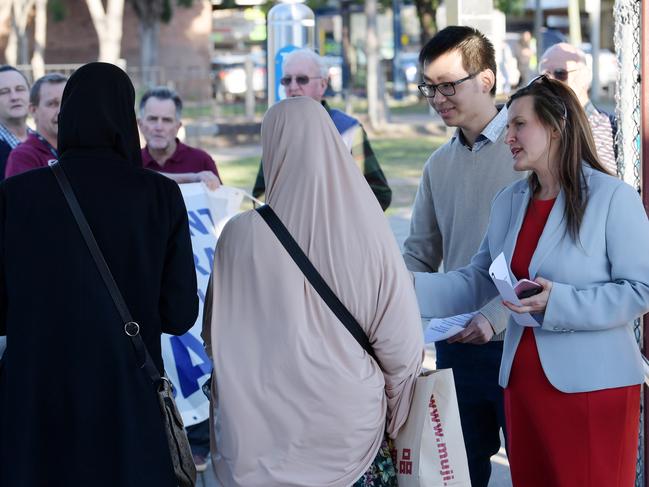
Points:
x=558 y=108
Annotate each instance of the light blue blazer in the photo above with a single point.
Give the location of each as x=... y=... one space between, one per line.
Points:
x=601 y=284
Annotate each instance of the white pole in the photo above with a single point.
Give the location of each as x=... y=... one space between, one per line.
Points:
x=595 y=8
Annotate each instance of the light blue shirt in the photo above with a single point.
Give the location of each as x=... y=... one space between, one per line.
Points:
x=489 y=134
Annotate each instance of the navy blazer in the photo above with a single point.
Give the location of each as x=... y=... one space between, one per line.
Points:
x=600 y=284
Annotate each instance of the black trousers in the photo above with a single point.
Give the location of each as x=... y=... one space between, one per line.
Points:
x=480 y=400
x=199 y=438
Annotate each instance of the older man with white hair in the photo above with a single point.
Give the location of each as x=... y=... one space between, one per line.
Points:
x=304 y=73
x=567 y=63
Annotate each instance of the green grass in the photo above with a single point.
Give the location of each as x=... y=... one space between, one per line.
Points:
x=240 y=173
x=221 y=110
x=197 y=111
x=402 y=161
x=407 y=106
x=420 y=108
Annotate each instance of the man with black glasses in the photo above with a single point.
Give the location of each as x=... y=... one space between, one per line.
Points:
x=450 y=216
x=306 y=74
x=567 y=63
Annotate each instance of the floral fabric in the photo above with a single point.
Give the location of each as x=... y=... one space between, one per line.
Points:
x=382 y=472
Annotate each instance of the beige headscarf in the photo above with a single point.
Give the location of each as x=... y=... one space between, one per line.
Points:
x=297 y=401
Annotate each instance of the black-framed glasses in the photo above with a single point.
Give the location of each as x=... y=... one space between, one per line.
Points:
x=300 y=79
x=446 y=89
x=560 y=74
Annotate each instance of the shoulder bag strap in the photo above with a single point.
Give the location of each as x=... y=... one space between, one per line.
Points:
x=314 y=277
x=131 y=328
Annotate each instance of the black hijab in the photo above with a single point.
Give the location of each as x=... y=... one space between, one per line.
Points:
x=97 y=115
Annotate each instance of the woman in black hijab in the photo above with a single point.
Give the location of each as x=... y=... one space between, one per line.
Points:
x=75 y=409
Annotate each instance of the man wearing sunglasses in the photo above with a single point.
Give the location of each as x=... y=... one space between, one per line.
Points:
x=567 y=63
x=450 y=216
x=304 y=73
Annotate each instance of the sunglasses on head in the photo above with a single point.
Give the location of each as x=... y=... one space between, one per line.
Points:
x=545 y=79
x=560 y=74
x=300 y=79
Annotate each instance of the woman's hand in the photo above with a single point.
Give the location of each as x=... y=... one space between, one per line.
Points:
x=536 y=303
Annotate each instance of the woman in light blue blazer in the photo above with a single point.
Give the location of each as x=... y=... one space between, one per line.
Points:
x=572 y=382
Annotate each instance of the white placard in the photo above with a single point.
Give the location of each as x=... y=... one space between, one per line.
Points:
x=185 y=360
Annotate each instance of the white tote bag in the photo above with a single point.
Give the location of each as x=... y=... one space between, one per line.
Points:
x=430 y=446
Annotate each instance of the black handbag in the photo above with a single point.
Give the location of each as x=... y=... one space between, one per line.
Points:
x=181 y=455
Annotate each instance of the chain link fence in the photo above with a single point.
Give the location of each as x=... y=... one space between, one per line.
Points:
x=628 y=49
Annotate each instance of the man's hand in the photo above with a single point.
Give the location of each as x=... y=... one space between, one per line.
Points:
x=209 y=178
x=477 y=332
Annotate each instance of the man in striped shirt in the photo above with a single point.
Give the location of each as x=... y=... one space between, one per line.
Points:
x=14 y=104
x=567 y=63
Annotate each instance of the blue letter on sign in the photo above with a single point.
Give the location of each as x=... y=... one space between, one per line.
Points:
x=189 y=374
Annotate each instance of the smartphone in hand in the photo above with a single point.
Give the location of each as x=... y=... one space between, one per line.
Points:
x=526 y=288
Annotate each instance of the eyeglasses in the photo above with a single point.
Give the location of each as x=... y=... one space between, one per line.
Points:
x=446 y=89
x=300 y=79
x=543 y=78
x=560 y=74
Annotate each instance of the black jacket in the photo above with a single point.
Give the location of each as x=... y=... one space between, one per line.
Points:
x=75 y=409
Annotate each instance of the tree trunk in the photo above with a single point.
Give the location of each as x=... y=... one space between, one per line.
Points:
x=108 y=24
x=149 y=13
x=5 y=18
x=23 y=48
x=149 y=37
x=426 y=12
x=574 y=22
x=372 y=64
x=18 y=44
x=11 y=51
x=40 y=38
x=348 y=81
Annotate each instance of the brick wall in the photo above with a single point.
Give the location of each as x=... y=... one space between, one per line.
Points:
x=184 y=53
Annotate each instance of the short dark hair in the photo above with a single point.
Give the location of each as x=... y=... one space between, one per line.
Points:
x=477 y=51
x=7 y=67
x=35 y=92
x=163 y=93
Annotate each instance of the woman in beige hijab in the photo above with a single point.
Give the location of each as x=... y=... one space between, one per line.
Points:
x=296 y=400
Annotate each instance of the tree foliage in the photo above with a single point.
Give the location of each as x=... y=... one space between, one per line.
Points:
x=57 y=10
x=157 y=10
x=510 y=6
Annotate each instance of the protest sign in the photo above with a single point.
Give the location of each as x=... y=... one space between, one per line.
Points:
x=185 y=360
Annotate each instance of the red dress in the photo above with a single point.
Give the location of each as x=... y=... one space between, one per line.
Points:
x=558 y=439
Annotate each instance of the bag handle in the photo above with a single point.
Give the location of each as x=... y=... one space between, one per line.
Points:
x=131 y=328
x=314 y=277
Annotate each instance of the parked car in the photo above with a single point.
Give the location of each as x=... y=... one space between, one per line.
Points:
x=549 y=37
x=335 y=67
x=409 y=64
x=508 y=75
x=228 y=74
x=608 y=68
